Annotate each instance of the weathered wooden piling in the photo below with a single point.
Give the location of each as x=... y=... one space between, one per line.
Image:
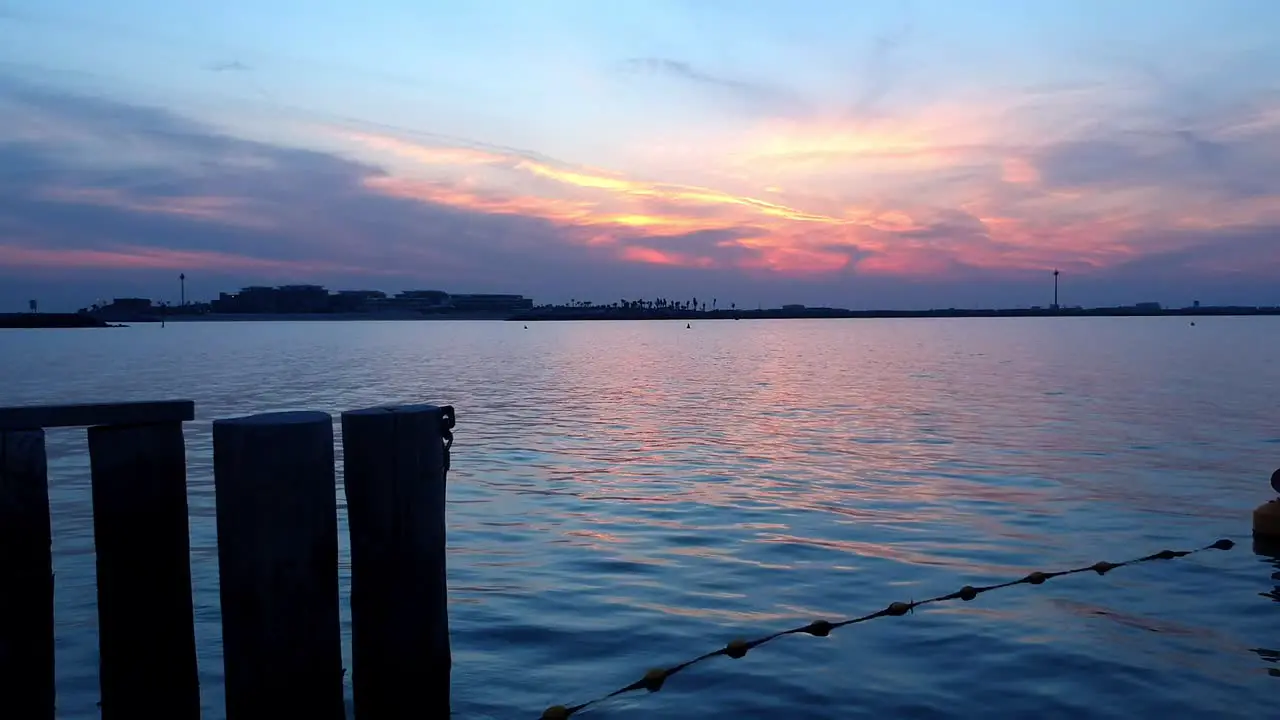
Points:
x=146 y=627
x=88 y=414
x=26 y=572
x=140 y=525
x=278 y=564
x=277 y=554
x=395 y=463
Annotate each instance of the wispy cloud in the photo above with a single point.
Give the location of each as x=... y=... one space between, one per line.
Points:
x=232 y=66
x=1095 y=179
x=876 y=78
x=223 y=210
x=615 y=184
x=754 y=96
x=134 y=257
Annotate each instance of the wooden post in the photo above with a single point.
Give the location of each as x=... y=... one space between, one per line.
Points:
x=26 y=578
x=146 y=627
x=277 y=522
x=395 y=487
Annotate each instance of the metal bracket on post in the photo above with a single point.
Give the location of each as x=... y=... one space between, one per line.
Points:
x=447 y=422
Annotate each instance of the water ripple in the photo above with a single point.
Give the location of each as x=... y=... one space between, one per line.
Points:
x=627 y=494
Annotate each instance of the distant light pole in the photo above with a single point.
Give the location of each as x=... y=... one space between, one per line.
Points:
x=1055 y=289
x=182 y=279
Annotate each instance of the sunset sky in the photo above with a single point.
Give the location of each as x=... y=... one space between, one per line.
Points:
x=932 y=153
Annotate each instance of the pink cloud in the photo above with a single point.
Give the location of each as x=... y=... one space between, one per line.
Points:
x=129 y=257
x=225 y=210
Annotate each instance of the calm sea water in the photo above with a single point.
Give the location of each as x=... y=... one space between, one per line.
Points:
x=629 y=495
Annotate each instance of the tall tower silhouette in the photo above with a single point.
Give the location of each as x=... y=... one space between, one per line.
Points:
x=1055 y=289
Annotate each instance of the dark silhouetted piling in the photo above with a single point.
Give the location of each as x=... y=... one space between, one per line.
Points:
x=1266 y=518
x=394 y=460
x=146 y=629
x=26 y=578
x=278 y=565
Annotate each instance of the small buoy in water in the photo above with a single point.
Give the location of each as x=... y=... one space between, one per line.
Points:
x=1266 y=518
x=1193 y=324
x=526 y=327
x=688 y=327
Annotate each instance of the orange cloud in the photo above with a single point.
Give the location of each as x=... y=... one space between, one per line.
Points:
x=586 y=178
x=658 y=225
x=567 y=211
x=918 y=194
x=968 y=182
x=427 y=154
x=671 y=193
x=604 y=208
x=931 y=139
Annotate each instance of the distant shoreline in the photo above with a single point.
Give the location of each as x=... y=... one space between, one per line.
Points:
x=321 y=317
x=836 y=313
x=81 y=320
x=42 y=321
x=301 y=317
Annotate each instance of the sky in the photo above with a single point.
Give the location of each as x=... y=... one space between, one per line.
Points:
x=902 y=154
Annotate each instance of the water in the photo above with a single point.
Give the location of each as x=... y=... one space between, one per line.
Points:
x=627 y=495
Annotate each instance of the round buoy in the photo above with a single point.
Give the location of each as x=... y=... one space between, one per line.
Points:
x=1266 y=518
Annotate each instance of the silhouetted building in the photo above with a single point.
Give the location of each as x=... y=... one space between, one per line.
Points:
x=490 y=303
x=125 y=310
x=355 y=301
x=438 y=301
x=303 y=299
x=253 y=299
x=438 y=297
x=1148 y=306
x=130 y=305
x=284 y=299
x=141 y=310
x=414 y=301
